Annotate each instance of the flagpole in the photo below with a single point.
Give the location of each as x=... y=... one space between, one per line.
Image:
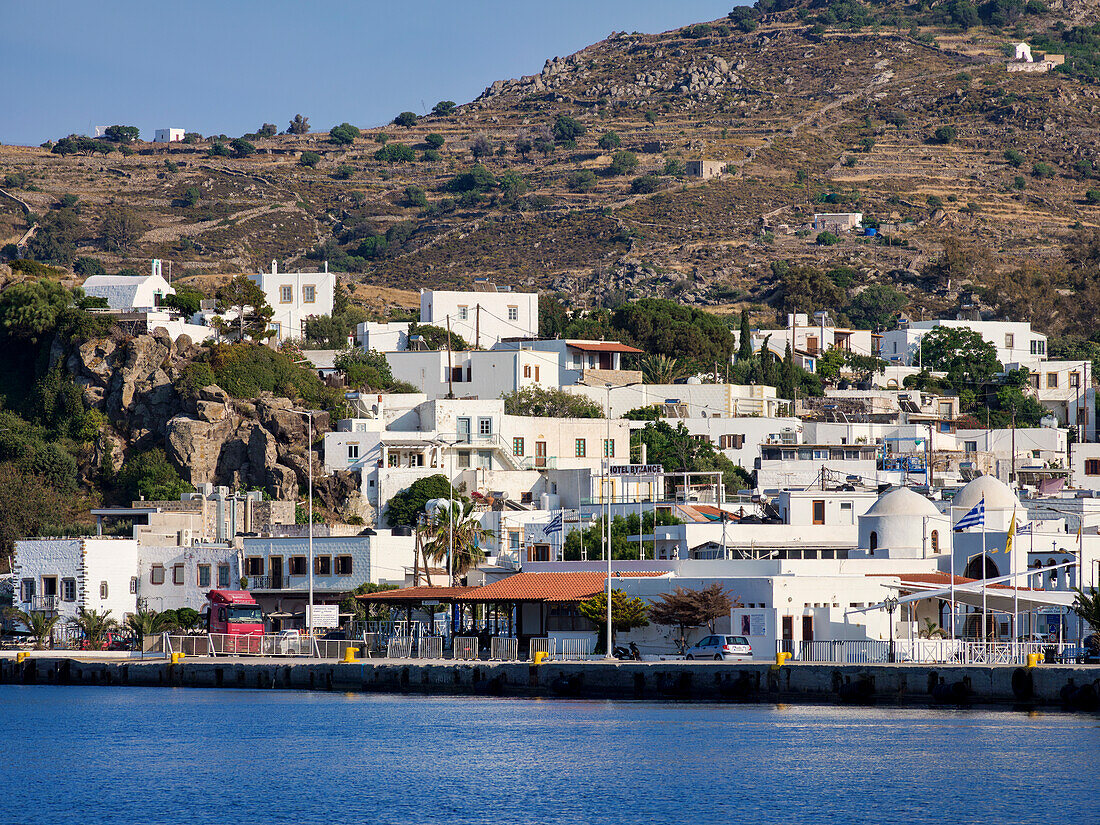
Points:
x=1015 y=589
x=985 y=631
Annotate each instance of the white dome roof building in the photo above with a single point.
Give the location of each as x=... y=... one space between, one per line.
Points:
x=903 y=524
x=1000 y=502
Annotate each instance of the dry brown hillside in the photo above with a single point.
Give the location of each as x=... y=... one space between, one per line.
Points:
x=808 y=117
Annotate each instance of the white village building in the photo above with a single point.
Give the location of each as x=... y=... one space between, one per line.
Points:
x=295 y=297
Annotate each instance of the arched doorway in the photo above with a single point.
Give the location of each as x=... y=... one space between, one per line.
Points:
x=974 y=569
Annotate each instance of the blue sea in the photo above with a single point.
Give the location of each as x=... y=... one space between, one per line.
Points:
x=87 y=755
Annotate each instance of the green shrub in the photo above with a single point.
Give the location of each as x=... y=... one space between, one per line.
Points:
x=149 y=475
x=645 y=184
x=310 y=159
x=623 y=163
x=1042 y=170
x=1093 y=196
x=1014 y=158
x=583 y=180
x=826 y=239
x=434 y=140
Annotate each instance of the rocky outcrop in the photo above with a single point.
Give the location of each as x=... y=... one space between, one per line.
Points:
x=209 y=436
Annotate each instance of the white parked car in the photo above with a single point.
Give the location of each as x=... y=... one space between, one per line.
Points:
x=722 y=648
x=289 y=642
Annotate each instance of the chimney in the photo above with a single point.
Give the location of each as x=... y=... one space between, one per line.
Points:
x=274 y=267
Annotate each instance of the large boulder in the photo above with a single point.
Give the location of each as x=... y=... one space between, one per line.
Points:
x=195 y=446
x=282 y=483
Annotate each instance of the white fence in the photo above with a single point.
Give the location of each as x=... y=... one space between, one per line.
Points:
x=430 y=647
x=574 y=648
x=920 y=651
x=504 y=649
x=399 y=647
x=465 y=648
x=541 y=645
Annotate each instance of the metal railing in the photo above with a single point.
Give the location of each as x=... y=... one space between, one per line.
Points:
x=430 y=647
x=271 y=582
x=923 y=651
x=541 y=645
x=575 y=648
x=45 y=604
x=504 y=649
x=399 y=647
x=465 y=648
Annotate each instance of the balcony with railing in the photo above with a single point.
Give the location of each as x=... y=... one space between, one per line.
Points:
x=45 y=604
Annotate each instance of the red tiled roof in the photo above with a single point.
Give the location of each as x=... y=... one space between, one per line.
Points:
x=601 y=346
x=548 y=587
x=415 y=594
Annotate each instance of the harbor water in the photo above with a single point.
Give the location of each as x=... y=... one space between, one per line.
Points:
x=85 y=755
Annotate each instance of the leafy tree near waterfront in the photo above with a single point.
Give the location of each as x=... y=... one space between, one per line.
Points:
x=360 y=612
x=94 y=626
x=39 y=624
x=144 y=623
x=686 y=608
x=677 y=449
x=627 y=613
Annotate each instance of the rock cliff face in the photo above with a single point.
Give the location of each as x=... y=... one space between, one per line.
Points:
x=208 y=435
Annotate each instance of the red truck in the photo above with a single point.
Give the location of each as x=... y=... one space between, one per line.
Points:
x=235 y=614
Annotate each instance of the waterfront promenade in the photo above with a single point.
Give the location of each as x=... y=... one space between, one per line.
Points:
x=1076 y=686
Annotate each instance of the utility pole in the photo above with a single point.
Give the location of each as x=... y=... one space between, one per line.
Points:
x=450 y=363
x=477 y=326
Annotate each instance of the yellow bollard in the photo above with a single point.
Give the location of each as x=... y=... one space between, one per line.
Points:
x=540 y=657
x=349 y=655
x=1033 y=660
x=781 y=658
x=176 y=658
x=21 y=656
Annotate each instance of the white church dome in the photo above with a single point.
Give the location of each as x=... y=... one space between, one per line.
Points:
x=901 y=501
x=997 y=494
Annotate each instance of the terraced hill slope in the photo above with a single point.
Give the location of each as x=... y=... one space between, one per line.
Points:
x=901 y=115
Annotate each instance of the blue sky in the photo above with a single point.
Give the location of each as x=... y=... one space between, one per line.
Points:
x=213 y=67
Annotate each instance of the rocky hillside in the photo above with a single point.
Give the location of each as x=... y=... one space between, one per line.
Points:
x=908 y=116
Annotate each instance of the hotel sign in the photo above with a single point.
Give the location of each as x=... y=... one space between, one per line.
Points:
x=636 y=469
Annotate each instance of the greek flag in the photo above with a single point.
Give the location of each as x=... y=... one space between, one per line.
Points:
x=975 y=518
x=554 y=525
x=1027 y=528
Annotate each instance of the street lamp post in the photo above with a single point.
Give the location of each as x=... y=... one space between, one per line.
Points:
x=607 y=459
x=891 y=604
x=309 y=458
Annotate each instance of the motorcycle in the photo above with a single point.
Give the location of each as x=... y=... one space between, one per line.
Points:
x=630 y=654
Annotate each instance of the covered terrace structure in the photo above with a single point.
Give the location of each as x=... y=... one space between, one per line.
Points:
x=525 y=605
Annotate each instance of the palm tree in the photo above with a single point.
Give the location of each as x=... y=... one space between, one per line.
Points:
x=94 y=626
x=146 y=623
x=40 y=625
x=461 y=528
x=931 y=630
x=1087 y=606
x=660 y=369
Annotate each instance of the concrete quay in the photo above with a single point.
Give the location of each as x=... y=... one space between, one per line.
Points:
x=1073 y=686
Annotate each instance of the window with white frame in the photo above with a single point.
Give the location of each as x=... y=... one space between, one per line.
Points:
x=485 y=426
x=513 y=313
x=353 y=452
x=463 y=313
x=286 y=294
x=1038 y=347
x=309 y=294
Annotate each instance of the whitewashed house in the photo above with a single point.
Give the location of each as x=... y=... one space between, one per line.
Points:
x=1015 y=341
x=171 y=135
x=295 y=297
x=129 y=293
x=61 y=576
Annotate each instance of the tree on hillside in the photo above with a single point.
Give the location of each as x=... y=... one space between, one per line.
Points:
x=29 y=310
x=242 y=148
x=966 y=357
x=434 y=140
x=298 y=126
x=623 y=163
x=150 y=476
x=481 y=146
x=344 y=134
x=627 y=613
x=406 y=119
x=609 y=141
x=395 y=153
x=120 y=228
x=406 y=506
x=744 y=344
x=186 y=299
x=876 y=307
x=121 y=134
x=28 y=505
x=546 y=402
x=523 y=146
x=310 y=159
x=677 y=449
x=443 y=108
x=250 y=303
x=567 y=129
x=268 y=130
